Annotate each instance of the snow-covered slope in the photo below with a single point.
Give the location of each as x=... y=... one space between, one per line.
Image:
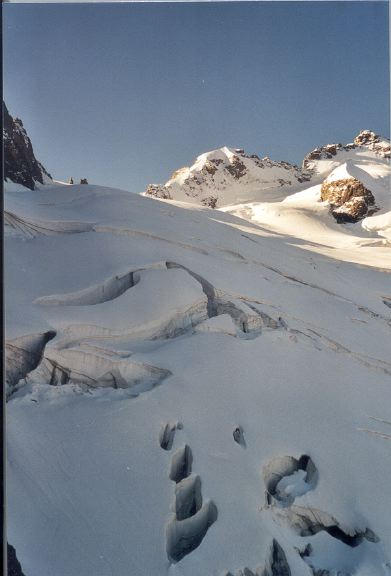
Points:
x=229 y=176
x=352 y=185
x=199 y=393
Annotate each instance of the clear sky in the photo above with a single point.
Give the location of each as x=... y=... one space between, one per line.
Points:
x=124 y=94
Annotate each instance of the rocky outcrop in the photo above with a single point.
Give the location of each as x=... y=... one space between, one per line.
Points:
x=13 y=565
x=236 y=167
x=323 y=153
x=209 y=201
x=366 y=139
x=374 y=142
x=158 y=191
x=20 y=164
x=349 y=200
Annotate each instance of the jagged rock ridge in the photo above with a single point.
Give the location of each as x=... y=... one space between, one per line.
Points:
x=365 y=140
x=228 y=176
x=20 y=163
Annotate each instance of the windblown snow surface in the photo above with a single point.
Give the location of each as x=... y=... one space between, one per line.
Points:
x=195 y=391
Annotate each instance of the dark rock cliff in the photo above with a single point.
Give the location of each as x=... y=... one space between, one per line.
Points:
x=20 y=164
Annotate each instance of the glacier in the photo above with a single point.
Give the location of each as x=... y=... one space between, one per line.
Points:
x=195 y=390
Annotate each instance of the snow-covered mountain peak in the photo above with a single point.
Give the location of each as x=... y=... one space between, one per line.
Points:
x=206 y=162
x=224 y=154
x=229 y=176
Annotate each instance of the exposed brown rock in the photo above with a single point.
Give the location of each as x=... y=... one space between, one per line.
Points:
x=210 y=168
x=283 y=182
x=327 y=151
x=366 y=137
x=370 y=140
x=305 y=177
x=236 y=167
x=374 y=142
x=348 y=198
x=332 y=149
x=210 y=201
x=158 y=191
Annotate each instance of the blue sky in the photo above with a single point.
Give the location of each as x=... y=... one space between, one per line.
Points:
x=124 y=94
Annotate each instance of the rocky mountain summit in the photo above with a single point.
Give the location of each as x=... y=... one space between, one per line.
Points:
x=365 y=142
x=348 y=187
x=373 y=142
x=20 y=163
x=228 y=176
